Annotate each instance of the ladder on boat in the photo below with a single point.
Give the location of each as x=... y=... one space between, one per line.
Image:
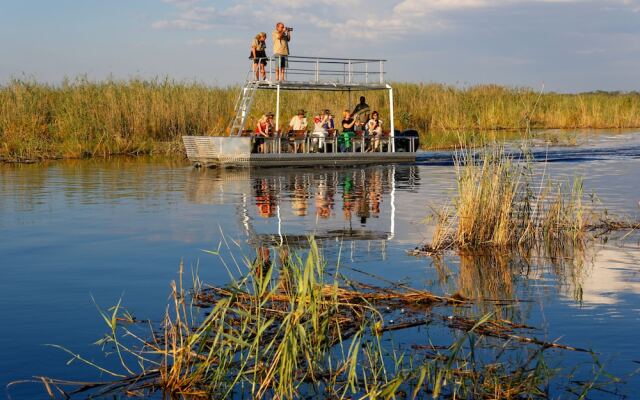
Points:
x=243 y=106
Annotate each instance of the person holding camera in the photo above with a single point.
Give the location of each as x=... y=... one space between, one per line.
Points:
x=281 y=37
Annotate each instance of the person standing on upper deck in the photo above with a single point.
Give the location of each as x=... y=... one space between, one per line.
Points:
x=281 y=37
x=259 y=55
x=361 y=113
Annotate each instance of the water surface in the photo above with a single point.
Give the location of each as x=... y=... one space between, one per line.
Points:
x=80 y=234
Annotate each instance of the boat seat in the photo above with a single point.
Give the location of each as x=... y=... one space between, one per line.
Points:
x=299 y=140
x=331 y=141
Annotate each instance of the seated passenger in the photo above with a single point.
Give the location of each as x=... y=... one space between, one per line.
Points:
x=264 y=129
x=361 y=114
x=348 y=132
x=327 y=121
x=319 y=133
x=374 y=128
x=298 y=122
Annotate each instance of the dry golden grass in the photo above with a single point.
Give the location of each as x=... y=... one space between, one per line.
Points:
x=496 y=206
x=82 y=118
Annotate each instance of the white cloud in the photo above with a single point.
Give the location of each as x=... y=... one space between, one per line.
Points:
x=198 y=14
x=183 y=24
x=181 y=2
x=222 y=42
x=372 y=20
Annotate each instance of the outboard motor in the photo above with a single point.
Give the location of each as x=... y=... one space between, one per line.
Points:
x=403 y=140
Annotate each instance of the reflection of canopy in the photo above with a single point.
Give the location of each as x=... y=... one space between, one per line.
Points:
x=329 y=235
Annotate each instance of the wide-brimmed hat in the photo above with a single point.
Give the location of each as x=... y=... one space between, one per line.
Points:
x=269 y=114
x=301 y=112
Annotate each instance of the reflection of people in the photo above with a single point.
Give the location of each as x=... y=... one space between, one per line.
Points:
x=259 y=55
x=299 y=202
x=281 y=37
x=375 y=192
x=347 y=198
x=362 y=204
x=265 y=201
x=324 y=201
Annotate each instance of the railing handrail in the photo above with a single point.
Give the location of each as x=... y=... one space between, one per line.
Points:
x=345 y=60
x=346 y=71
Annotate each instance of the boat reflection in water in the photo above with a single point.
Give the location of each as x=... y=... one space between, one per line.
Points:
x=287 y=206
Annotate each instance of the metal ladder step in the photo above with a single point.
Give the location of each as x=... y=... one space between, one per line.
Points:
x=243 y=106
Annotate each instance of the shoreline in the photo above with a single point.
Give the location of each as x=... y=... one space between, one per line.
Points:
x=82 y=118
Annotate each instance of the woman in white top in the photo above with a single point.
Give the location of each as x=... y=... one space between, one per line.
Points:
x=298 y=122
x=374 y=127
x=319 y=132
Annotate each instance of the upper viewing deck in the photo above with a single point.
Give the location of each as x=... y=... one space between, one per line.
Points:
x=324 y=73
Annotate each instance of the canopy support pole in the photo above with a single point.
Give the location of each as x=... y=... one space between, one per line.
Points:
x=392 y=142
x=277 y=107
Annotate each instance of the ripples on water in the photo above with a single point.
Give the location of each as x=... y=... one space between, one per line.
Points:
x=72 y=230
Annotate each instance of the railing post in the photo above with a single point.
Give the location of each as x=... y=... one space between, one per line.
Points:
x=317 y=70
x=392 y=134
x=350 y=72
x=381 y=72
x=366 y=72
x=277 y=107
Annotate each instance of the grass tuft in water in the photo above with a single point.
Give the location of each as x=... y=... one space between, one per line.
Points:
x=500 y=204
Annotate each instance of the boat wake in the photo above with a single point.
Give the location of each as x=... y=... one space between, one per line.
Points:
x=553 y=154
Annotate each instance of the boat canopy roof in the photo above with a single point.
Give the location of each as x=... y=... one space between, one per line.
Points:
x=328 y=74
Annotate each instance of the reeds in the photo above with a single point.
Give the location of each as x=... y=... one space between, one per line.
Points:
x=501 y=205
x=82 y=118
x=292 y=329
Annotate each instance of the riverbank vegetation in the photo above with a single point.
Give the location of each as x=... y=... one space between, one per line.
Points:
x=83 y=118
x=291 y=328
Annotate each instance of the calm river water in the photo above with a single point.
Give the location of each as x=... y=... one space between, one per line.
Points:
x=78 y=234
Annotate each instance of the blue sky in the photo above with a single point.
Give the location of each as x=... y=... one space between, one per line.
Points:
x=565 y=45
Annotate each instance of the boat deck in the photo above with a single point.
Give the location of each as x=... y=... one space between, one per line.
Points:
x=308 y=159
x=213 y=151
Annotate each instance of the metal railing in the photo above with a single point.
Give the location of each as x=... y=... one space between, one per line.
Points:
x=332 y=144
x=347 y=71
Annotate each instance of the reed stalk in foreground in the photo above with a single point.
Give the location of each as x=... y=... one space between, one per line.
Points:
x=292 y=329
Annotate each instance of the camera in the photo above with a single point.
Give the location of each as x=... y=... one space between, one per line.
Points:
x=288 y=29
